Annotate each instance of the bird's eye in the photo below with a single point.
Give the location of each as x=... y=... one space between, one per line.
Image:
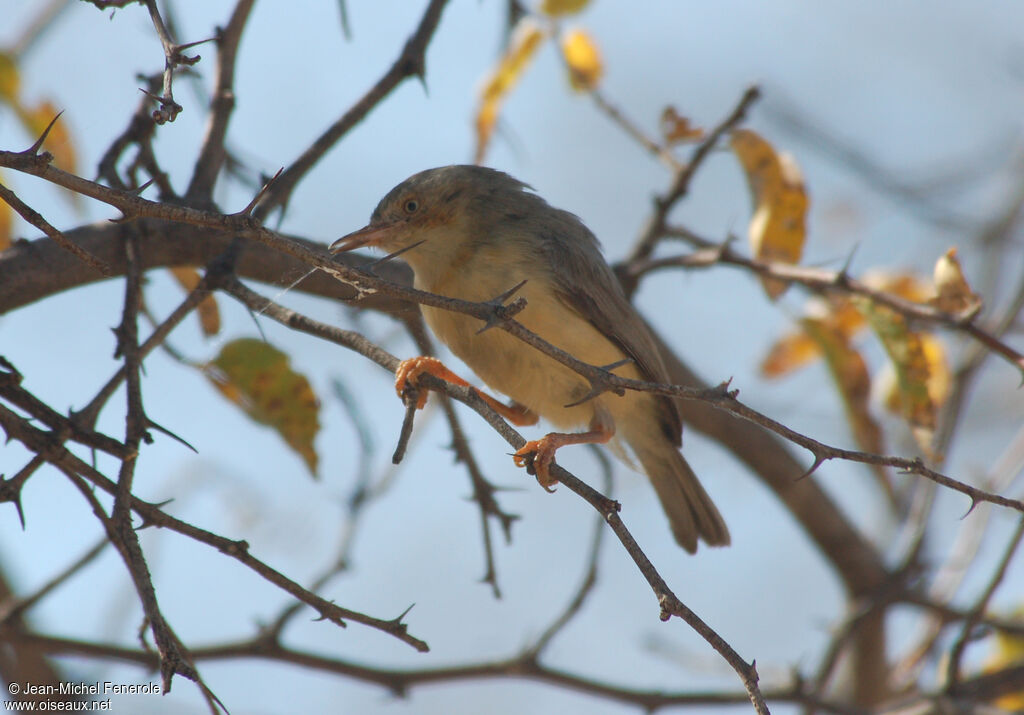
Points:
x=411 y=206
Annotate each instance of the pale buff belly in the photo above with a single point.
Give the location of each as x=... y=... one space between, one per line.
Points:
x=523 y=373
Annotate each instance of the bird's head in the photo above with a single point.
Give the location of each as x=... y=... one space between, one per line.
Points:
x=436 y=206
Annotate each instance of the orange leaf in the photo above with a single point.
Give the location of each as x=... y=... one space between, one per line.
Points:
x=952 y=293
x=555 y=8
x=584 y=60
x=777 y=229
x=209 y=314
x=257 y=377
x=522 y=45
x=789 y=352
x=676 y=129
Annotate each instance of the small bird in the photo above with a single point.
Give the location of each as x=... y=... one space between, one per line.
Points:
x=473 y=233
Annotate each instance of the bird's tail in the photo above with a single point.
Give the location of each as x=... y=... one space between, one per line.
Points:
x=689 y=509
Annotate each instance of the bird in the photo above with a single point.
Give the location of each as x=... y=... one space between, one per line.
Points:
x=472 y=232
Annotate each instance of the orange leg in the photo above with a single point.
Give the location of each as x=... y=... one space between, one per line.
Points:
x=543 y=450
x=409 y=370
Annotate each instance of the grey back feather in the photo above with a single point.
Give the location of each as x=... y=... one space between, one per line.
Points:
x=582 y=278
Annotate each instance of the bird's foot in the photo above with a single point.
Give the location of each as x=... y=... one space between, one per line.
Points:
x=409 y=372
x=537 y=456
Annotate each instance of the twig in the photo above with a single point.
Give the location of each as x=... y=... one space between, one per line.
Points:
x=400 y=681
x=36 y=219
x=169 y=109
x=212 y=153
x=967 y=631
x=16 y=608
x=628 y=126
x=656 y=224
x=365 y=283
x=410 y=63
x=820 y=280
x=53 y=452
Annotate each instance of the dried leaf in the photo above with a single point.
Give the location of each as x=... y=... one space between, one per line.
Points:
x=850 y=373
x=791 y=351
x=556 y=8
x=777 y=229
x=10 y=82
x=676 y=129
x=257 y=377
x=940 y=377
x=209 y=313
x=907 y=353
x=6 y=225
x=952 y=293
x=522 y=45
x=903 y=285
x=584 y=60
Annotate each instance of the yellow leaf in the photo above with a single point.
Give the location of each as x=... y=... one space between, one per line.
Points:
x=903 y=285
x=10 y=83
x=907 y=353
x=1008 y=651
x=940 y=377
x=521 y=47
x=257 y=377
x=209 y=314
x=583 y=58
x=797 y=348
x=676 y=129
x=952 y=293
x=6 y=225
x=850 y=373
x=777 y=229
x=555 y=8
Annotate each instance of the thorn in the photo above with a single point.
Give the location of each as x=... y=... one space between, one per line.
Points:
x=170 y=434
x=611 y=366
x=21 y=512
x=974 y=503
x=370 y=268
x=501 y=313
x=818 y=461
x=500 y=299
x=34 y=149
x=594 y=392
x=139 y=190
x=247 y=211
x=403 y=614
x=843 y=275
x=196 y=43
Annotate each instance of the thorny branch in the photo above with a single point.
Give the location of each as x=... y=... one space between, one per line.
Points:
x=822 y=281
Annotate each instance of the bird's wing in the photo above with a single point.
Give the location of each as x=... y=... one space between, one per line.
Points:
x=584 y=282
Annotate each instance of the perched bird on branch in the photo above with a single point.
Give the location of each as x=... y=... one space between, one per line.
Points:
x=473 y=233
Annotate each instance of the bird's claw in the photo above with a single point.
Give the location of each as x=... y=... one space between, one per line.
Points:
x=408 y=373
x=536 y=456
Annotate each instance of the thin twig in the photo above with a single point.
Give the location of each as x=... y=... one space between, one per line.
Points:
x=410 y=63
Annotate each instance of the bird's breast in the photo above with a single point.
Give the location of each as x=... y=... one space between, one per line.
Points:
x=510 y=365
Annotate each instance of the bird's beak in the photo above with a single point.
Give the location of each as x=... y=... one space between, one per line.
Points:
x=369 y=235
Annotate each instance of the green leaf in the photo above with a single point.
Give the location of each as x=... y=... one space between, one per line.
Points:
x=258 y=378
